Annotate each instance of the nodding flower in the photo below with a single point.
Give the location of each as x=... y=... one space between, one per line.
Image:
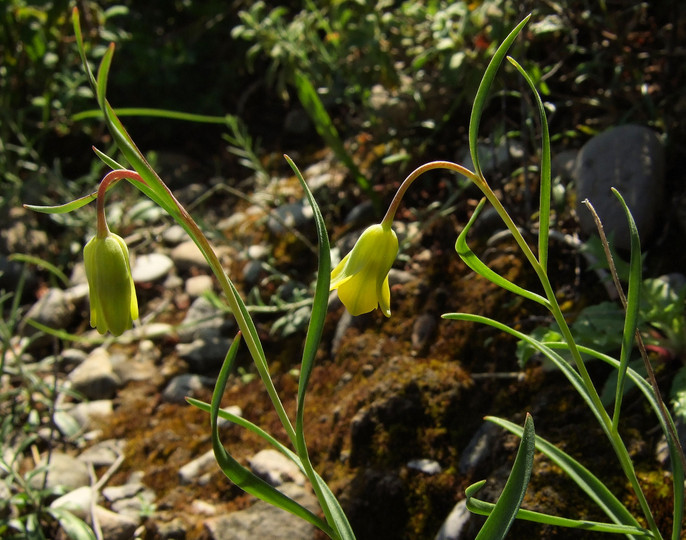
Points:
x=361 y=278
x=112 y=293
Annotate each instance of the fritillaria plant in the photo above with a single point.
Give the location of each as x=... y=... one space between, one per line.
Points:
x=361 y=280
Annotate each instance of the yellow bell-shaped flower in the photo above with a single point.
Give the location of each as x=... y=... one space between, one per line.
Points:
x=112 y=293
x=362 y=276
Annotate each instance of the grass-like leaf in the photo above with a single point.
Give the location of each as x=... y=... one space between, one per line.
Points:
x=241 y=476
x=632 y=303
x=107 y=160
x=584 y=478
x=103 y=74
x=471 y=260
x=569 y=372
x=484 y=89
x=484 y=508
x=307 y=94
x=152 y=113
x=503 y=513
x=41 y=263
x=545 y=183
x=331 y=508
x=74 y=527
x=668 y=428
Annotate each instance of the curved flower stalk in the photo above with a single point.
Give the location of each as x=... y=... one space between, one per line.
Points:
x=113 y=302
x=361 y=278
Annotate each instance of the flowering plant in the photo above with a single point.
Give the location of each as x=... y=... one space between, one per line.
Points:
x=361 y=280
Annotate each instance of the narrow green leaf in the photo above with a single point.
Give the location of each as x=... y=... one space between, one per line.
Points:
x=240 y=421
x=568 y=371
x=473 y=261
x=545 y=184
x=62 y=208
x=149 y=112
x=312 y=340
x=103 y=73
x=484 y=508
x=74 y=527
x=239 y=475
x=309 y=99
x=674 y=451
x=41 y=263
x=632 y=303
x=503 y=513
x=585 y=479
x=482 y=93
x=321 y=294
x=76 y=21
x=107 y=160
x=63 y=334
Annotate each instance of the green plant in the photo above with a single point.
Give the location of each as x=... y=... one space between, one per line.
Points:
x=41 y=81
x=28 y=397
x=367 y=267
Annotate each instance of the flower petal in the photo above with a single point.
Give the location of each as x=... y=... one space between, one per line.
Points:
x=358 y=294
x=384 y=294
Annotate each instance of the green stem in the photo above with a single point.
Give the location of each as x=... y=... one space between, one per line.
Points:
x=253 y=345
x=601 y=414
x=395 y=203
x=242 y=321
x=605 y=420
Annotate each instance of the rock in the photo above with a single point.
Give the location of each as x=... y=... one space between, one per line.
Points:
x=22 y=234
x=326 y=173
x=203 y=507
x=63 y=471
x=290 y=216
x=174 y=235
x=455 y=525
x=194 y=470
x=78 y=501
x=361 y=214
x=202 y=321
x=78 y=294
x=562 y=165
x=262 y=520
x=197 y=285
x=479 y=447
x=133 y=499
x=187 y=255
x=204 y=355
x=95 y=378
x=275 y=468
x=90 y=414
x=141 y=367
x=103 y=453
x=423 y=330
x=115 y=526
x=501 y=157
x=150 y=268
x=10 y=275
x=185 y=385
x=346 y=321
x=631 y=159
x=73 y=357
x=258 y=252
x=427 y=466
x=53 y=309
x=171 y=530
x=252 y=271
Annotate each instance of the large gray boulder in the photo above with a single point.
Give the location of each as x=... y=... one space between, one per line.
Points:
x=631 y=159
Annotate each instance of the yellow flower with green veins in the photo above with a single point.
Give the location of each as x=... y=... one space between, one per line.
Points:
x=112 y=293
x=361 y=278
